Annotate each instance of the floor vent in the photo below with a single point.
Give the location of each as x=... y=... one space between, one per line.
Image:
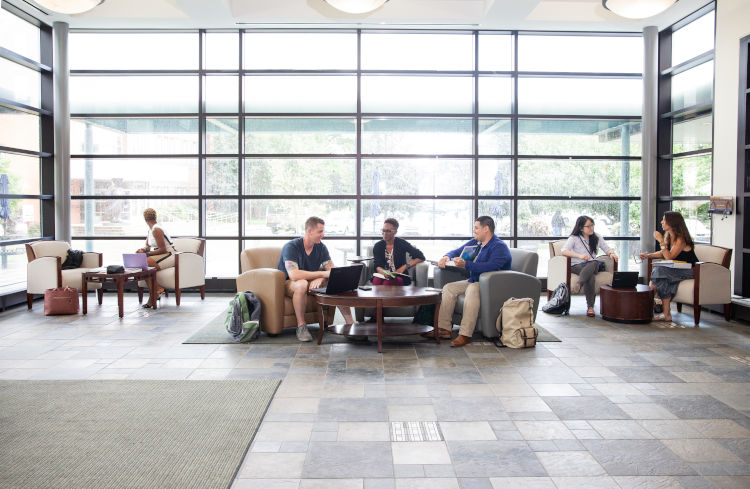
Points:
x=415 y=431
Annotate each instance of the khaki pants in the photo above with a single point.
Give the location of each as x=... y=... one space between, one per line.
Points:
x=451 y=292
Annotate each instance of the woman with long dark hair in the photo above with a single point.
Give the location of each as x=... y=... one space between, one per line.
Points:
x=676 y=244
x=581 y=247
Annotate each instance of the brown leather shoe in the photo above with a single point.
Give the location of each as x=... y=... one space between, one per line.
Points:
x=461 y=340
x=443 y=333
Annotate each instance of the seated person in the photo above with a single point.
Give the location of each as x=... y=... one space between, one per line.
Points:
x=390 y=256
x=491 y=254
x=159 y=250
x=307 y=264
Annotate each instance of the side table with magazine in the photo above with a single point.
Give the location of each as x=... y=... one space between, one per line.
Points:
x=100 y=275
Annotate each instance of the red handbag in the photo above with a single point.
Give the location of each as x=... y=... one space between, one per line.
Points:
x=62 y=300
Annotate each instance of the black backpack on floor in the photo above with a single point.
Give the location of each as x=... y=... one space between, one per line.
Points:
x=559 y=303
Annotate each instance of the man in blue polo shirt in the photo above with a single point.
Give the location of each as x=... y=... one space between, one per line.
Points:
x=490 y=254
x=307 y=264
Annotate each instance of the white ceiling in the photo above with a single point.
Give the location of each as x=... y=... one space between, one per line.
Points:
x=557 y=15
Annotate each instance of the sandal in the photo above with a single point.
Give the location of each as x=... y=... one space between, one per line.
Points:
x=590 y=312
x=661 y=317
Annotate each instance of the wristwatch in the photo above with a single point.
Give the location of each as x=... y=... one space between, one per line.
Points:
x=408 y=266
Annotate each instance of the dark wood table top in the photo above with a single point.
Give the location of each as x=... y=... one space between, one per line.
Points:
x=129 y=272
x=639 y=288
x=388 y=292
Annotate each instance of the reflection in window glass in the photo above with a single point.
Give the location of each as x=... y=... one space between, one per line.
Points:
x=222 y=135
x=495 y=52
x=269 y=135
x=693 y=87
x=416 y=136
x=692 y=134
x=692 y=176
x=19 y=129
x=24 y=220
x=133 y=51
x=222 y=217
x=580 y=96
x=300 y=93
x=222 y=93
x=420 y=176
x=427 y=94
x=418 y=217
x=124 y=217
x=221 y=176
x=417 y=51
x=603 y=178
x=286 y=217
x=501 y=211
x=222 y=258
x=593 y=54
x=495 y=177
x=222 y=51
x=579 y=137
x=299 y=177
x=134 y=94
x=113 y=177
x=695 y=38
x=495 y=94
x=100 y=135
x=20 y=84
x=19 y=36
x=495 y=137
x=300 y=51
x=697 y=218
x=22 y=173
x=611 y=218
x=12 y=268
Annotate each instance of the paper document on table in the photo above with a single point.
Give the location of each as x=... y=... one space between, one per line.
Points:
x=673 y=264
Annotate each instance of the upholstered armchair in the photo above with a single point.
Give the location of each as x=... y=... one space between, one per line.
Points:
x=497 y=287
x=712 y=283
x=558 y=271
x=44 y=270
x=189 y=269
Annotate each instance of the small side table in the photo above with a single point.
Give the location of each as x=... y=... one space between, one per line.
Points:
x=131 y=274
x=632 y=305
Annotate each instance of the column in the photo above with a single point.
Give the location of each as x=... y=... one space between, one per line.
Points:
x=61 y=76
x=649 y=127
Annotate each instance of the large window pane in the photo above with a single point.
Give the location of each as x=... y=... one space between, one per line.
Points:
x=140 y=176
x=611 y=218
x=222 y=258
x=429 y=94
x=495 y=177
x=12 y=268
x=692 y=134
x=222 y=135
x=495 y=52
x=416 y=136
x=603 y=178
x=124 y=217
x=433 y=249
x=300 y=93
x=286 y=217
x=593 y=54
x=420 y=176
x=695 y=38
x=133 y=136
x=495 y=94
x=697 y=218
x=111 y=249
x=340 y=249
x=580 y=96
x=417 y=51
x=418 y=217
x=19 y=129
x=22 y=173
x=133 y=51
x=495 y=137
x=19 y=84
x=693 y=87
x=300 y=51
x=501 y=212
x=692 y=176
x=269 y=135
x=221 y=176
x=222 y=93
x=623 y=249
x=23 y=219
x=222 y=216
x=299 y=177
x=18 y=35
x=579 y=137
x=134 y=94
x=222 y=51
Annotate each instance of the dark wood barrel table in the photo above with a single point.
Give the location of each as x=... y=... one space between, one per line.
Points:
x=629 y=305
x=378 y=297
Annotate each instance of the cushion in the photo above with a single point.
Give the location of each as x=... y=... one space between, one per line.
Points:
x=51 y=248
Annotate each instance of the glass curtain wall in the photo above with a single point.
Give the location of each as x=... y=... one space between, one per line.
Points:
x=239 y=136
x=25 y=142
x=685 y=138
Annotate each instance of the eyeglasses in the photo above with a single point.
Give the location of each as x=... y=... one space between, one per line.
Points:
x=389 y=231
x=589 y=226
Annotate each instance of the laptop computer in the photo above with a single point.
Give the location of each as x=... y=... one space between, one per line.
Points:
x=624 y=280
x=135 y=260
x=341 y=279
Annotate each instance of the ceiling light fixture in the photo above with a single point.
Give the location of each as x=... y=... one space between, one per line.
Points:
x=356 y=6
x=69 y=6
x=637 y=9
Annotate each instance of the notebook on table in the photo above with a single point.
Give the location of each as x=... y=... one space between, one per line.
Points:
x=135 y=260
x=341 y=279
x=624 y=280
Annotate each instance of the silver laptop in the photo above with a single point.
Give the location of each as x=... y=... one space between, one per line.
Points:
x=135 y=260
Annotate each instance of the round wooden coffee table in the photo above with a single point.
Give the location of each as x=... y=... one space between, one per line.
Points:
x=378 y=297
x=631 y=305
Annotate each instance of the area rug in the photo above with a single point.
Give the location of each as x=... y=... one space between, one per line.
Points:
x=215 y=333
x=134 y=434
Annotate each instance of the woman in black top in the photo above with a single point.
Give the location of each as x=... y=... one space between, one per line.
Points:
x=390 y=256
x=676 y=244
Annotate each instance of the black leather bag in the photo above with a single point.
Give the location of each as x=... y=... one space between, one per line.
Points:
x=115 y=269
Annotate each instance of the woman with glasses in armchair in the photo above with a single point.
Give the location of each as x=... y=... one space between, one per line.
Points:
x=390 y=256
x=582 y=247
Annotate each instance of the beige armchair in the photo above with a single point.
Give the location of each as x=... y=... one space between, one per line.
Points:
x=189 y=269
x=558 y=271
x=712 y=283
x=44 y=270
x=261 y=276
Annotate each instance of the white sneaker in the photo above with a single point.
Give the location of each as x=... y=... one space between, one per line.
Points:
x=303 y=334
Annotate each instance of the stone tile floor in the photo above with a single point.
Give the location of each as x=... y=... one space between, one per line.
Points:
x=611 y=406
